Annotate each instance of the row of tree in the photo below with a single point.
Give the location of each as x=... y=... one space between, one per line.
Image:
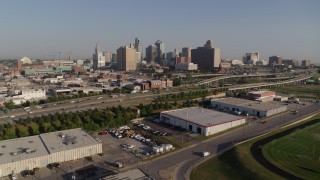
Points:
x=90 y=120
x=146 y=110
x=182 y=96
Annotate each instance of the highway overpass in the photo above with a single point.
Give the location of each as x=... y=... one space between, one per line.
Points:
x=215 y=79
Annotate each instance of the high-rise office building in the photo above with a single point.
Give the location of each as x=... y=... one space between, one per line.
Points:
x=305 y=63
x=161 y=48
x=19 y=65
x=138 y=47
x=251 y=58
x=98 y=59
x=170 y=55
x=151 y=54
x=108 y=56
x=126 y=59
x=176 y=52
x=207 y=57
x=114 y=57
x=186 y=52
x=275 y=61
x=290 y=63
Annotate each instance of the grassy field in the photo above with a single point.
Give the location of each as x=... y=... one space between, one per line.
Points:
x=302 y=91
x=297 y=153
x=238 y=163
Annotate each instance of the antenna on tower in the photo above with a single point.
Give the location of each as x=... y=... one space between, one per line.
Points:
x=59 y=54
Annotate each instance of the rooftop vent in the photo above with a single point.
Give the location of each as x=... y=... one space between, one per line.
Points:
x=27 y=150
x=3 y=146
x=70 y=140
x=30 y=142
x=14 y=153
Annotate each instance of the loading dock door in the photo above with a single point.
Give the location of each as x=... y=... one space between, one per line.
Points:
x=199 y=130
x=190 y=127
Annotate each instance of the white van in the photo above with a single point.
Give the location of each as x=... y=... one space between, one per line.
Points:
x=206 y=153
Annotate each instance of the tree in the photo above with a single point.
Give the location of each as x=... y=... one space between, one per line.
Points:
x=57 y=124
x=77 y=121
x=34 y=128
x=175 y=103
x=149 y=109
x=143 y=111
x=91 y=126
x=166 y=106
x=188 y=77
x=176 y=82
x=10 y=105
x=22 y=131
x=10 y=133
x=44 y=127
x=116 y=90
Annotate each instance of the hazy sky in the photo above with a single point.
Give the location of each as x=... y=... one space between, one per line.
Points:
x=39 y=28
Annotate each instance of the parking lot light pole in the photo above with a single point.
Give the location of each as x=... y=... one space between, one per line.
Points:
x=145 y=168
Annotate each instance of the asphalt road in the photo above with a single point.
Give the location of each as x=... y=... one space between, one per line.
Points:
x=75 y=106
x=188 y=157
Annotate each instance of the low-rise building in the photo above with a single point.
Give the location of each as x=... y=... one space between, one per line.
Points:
x=261 y=95
x=155 y=84
x=27 y=95
x=248 y=107
x=186 y=66
x=201 y=120
x=33 y=94
x=144 y=85
x=38 y=151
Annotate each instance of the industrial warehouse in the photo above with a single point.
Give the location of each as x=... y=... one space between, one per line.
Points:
x=38 y=151
x=248 y=107
x=201 y=120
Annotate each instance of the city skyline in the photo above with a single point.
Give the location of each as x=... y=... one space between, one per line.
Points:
x=39 y=29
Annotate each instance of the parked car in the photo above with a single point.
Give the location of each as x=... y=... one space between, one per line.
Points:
x=103 y=133
x=89 y=158
x=13 y=176
x=118 y=164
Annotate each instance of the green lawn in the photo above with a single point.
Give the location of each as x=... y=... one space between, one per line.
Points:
x=297 y=153
x=302 y=91
x=238 y=163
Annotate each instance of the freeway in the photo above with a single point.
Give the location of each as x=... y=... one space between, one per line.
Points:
x=186 y=158
x=263 y=85
x=74 y=106
x=233 y=76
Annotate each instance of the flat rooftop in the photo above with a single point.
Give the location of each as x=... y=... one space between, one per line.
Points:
x=202 y=116
x=44 y=144
x=21 y=148
x=262 y=106
x=260 y=92
x=66 y=140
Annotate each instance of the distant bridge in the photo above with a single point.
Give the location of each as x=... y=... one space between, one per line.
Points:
x=215 y=79
x=294 y=81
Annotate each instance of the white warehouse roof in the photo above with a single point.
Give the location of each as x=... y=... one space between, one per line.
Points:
x=43 y=144
x=65 y=140
x=202 y=116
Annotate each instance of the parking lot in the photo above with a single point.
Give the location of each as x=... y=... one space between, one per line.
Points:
x=130 y=150
x=176 y=135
